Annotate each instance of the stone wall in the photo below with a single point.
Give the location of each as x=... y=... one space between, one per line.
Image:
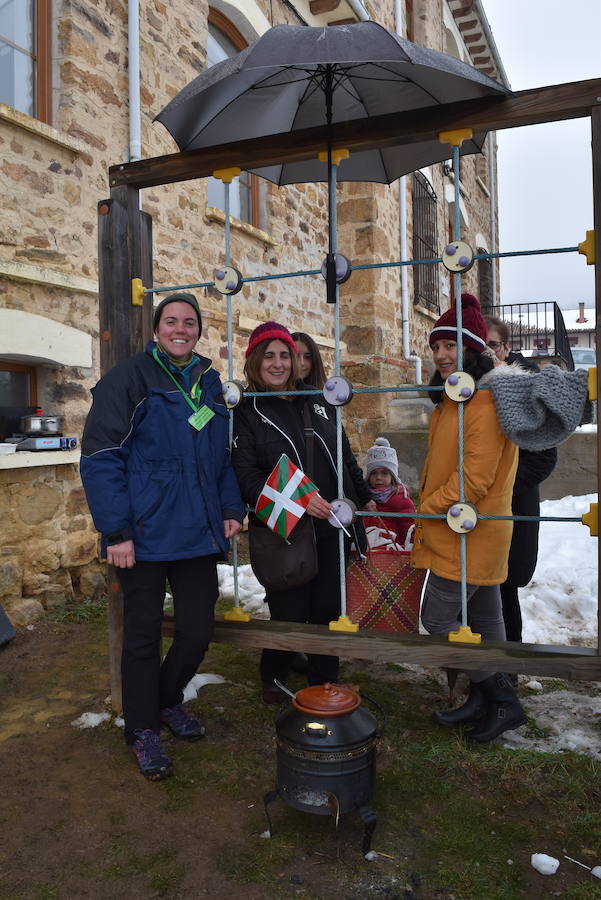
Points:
x=48 y=551
x=576 y=469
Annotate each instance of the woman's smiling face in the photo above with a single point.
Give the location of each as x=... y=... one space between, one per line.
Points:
x=276 y=365
x=178 y=331
x=444 y=355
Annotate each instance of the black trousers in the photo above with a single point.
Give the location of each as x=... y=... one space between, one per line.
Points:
x=149 y=686
x=317 y=602
x=512 y=614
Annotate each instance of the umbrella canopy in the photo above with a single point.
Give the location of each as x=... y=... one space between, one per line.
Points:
x=296 y=77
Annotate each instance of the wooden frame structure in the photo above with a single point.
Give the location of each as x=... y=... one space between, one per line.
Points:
x=125 y=251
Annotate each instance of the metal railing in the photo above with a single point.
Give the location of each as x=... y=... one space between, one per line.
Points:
x=537 y=330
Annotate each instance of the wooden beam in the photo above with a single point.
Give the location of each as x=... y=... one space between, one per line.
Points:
x=532 y=107
x=124 y=252
x=580 y=663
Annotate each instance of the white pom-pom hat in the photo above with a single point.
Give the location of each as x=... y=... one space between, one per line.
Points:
x=383 y=456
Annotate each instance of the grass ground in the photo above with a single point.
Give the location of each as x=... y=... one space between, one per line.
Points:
x=454 y=821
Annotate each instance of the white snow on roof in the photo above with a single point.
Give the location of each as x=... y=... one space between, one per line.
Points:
x=570 y=317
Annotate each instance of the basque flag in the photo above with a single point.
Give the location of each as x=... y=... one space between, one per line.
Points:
x=284 y=497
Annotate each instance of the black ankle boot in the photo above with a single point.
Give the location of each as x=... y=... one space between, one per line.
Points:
x=503 y=709
x=472 y=710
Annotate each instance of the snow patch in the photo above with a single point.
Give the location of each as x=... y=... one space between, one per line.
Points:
x=90 y=719
x=250 y=592
x=546 y=865
x=197 y=681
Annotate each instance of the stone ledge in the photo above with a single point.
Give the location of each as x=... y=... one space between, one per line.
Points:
x=34 y=126
x=23 y=459
x=482 y=186
x=214 y=214
x=18 y=271
x=430 y=314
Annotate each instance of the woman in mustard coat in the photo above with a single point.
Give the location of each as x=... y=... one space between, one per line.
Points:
x=489 y=467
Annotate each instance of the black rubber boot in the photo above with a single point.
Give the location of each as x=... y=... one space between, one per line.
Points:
x=471 y=712
x=504 y=711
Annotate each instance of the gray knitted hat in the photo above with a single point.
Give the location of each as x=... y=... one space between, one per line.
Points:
x=383 y=456
x=538 y=410
x=178 y=297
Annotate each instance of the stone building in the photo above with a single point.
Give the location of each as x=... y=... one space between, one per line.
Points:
x=67 y=112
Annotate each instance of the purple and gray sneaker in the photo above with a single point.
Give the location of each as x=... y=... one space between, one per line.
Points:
x=181 y=724
x=152 y=759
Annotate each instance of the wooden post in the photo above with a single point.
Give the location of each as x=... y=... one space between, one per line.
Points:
x=124 y=252
x=596 y=153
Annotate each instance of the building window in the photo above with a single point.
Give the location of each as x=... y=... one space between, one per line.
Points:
x=224 y=40
x=487 y=301
x=18 y=395
x=425 y=243
x=25 y=60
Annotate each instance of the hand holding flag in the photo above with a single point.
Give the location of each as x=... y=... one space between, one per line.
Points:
x=284 y=497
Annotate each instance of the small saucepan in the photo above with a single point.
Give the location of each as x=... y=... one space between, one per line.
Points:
x=37 y=425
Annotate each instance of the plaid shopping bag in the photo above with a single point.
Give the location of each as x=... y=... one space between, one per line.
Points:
x=383 y=590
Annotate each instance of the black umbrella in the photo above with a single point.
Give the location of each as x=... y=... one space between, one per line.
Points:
x=295 y=77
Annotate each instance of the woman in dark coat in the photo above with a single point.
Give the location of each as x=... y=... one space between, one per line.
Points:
x=533 y=468
x=264 y=429
x=163 y=494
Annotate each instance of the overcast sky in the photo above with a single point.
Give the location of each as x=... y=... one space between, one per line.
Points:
x=545 y=182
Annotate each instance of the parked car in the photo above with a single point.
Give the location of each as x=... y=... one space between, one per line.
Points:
x=584 y=357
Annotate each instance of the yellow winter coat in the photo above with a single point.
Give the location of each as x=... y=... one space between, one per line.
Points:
x=490 y=462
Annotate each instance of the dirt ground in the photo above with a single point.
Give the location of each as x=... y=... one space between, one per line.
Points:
x=78 y=821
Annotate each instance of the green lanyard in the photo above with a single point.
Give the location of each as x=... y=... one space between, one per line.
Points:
x=200 y=414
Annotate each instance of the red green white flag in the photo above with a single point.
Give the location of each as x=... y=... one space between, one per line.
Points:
x=284 y=497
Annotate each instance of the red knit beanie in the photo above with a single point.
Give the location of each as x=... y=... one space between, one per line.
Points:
x=473 y=326
x=269 y=331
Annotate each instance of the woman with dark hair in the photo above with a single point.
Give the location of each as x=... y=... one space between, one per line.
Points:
x=489 y=466
x=311 y=369
x=264 y=429
x=162 y=492
x=533 y=467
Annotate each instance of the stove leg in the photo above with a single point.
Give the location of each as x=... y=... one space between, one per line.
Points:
x=269 y=797
x=369 y=819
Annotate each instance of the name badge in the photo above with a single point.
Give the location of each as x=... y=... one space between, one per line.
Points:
x=200 y=418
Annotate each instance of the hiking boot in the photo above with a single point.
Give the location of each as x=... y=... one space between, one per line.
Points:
x=181 y=724
x=152 y=759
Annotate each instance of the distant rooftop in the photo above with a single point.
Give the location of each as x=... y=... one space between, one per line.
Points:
x=571 y=316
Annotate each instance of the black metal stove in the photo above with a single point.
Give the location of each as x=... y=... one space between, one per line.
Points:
x=326 y=755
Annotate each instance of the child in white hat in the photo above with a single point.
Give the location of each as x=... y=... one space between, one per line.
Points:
x=391 y=496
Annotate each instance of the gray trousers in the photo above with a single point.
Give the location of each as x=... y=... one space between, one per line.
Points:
x=441 y=611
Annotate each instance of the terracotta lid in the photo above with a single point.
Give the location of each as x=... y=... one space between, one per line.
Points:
x=327 y=699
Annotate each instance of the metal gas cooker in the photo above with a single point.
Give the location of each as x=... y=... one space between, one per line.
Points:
x=44 y=442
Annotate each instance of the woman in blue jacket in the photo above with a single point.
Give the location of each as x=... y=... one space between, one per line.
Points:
x=158 y=480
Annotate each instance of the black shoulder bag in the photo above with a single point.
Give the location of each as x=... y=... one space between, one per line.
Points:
x=278 y=565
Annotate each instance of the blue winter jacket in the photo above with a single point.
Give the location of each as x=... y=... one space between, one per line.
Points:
x=148 y=474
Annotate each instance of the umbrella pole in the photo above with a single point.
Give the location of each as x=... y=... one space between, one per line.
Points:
x=226 y=176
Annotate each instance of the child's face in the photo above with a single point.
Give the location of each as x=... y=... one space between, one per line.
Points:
x=379 y=478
